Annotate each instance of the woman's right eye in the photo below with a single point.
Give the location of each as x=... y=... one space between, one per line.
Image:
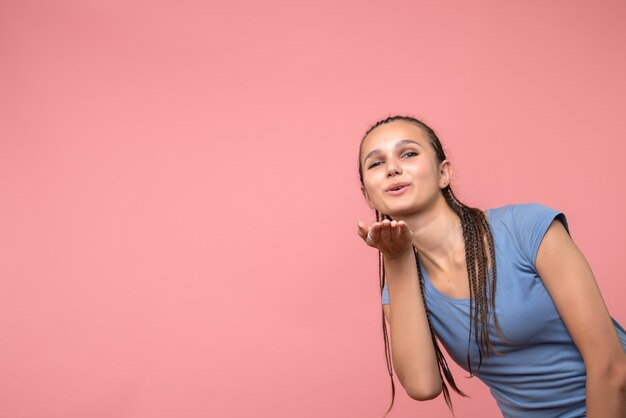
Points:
x=374 y=164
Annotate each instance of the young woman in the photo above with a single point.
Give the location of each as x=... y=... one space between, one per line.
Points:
x=506 y=291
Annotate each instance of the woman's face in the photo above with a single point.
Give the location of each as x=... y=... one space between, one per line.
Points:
x=400 y=169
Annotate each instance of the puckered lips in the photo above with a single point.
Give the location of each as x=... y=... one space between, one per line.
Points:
x=397 y=188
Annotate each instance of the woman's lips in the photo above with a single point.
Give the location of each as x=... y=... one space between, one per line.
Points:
x=398 y=191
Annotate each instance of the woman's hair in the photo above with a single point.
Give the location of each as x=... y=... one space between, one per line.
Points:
x=478 y=245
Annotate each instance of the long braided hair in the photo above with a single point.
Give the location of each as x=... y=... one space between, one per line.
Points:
x=482 y=278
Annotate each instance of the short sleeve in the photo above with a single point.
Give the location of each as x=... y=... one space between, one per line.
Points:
x=385 y=295
x=531 y=223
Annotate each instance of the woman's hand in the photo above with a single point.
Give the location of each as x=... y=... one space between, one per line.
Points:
x=392 y=238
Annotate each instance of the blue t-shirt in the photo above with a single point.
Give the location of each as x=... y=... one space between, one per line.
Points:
x=542 y=373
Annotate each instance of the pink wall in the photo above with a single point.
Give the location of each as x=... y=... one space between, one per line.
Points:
x=180 y=194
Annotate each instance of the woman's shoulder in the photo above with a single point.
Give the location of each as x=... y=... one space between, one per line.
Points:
x=525 y=218
x=519 y=211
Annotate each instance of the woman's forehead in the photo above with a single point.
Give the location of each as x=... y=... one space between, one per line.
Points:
x=392 y=133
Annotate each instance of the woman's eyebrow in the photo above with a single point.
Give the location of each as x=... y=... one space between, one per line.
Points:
x=398 y=144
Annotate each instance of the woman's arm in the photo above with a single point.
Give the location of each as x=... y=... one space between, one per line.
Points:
x=412 y=349
x=568 y=278
x=413 y=353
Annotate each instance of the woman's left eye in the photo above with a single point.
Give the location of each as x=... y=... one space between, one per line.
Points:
x=409 y=154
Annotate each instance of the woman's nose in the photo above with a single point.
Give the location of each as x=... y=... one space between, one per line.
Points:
x=393 y=168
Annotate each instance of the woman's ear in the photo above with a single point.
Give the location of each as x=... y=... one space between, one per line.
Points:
x=367 y=197
x=445 y=174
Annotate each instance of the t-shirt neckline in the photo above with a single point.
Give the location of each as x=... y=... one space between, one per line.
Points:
x=435 y=290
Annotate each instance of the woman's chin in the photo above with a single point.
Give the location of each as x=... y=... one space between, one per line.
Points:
x=398 y=211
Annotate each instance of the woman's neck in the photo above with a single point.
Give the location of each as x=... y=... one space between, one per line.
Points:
x=438 y=237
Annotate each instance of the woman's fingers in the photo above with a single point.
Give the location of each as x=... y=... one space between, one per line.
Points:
x=405 y=233
x=374 y=232
x=368 y=234
x=386 y=235
x=395 y=230
x=392 y=231
x=385 y=230
x=362 y=229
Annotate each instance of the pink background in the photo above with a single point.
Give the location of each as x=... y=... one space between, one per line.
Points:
x=180 y=191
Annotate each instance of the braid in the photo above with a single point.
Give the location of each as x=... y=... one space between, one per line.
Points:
x=444 y=370
x=381 y=274
x=443 y=364
x=475 y=230
x=480 y=260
